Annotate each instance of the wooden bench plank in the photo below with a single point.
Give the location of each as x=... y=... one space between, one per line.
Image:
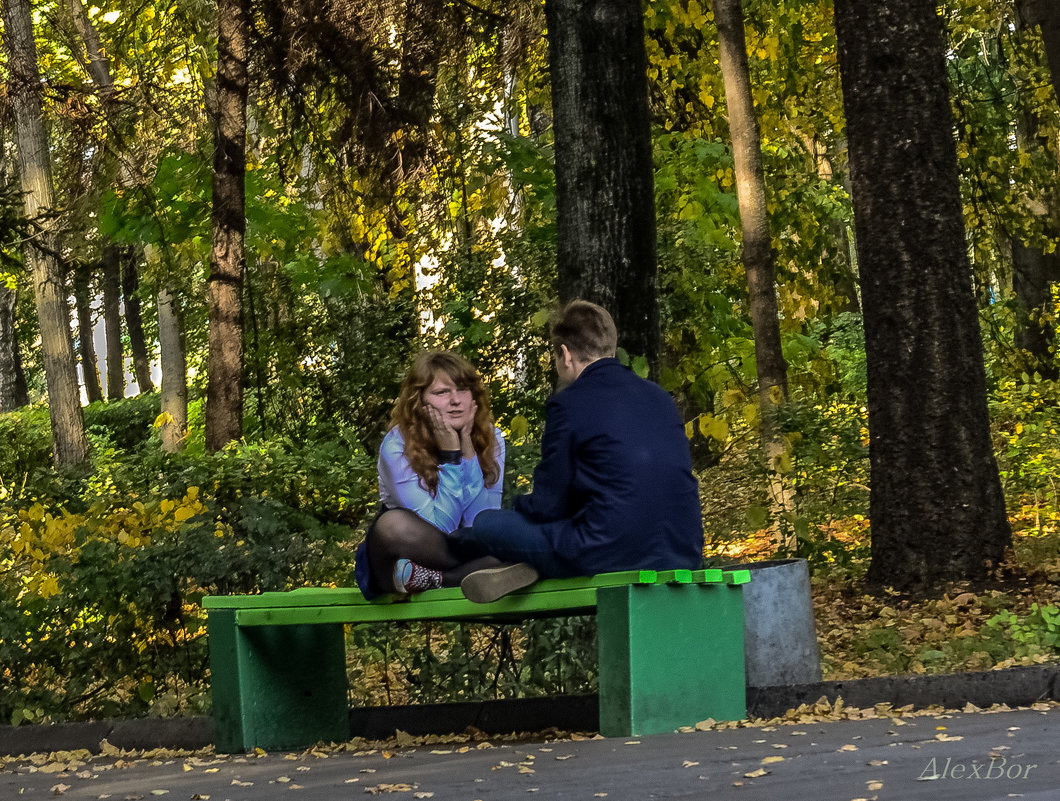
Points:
x=561 y=602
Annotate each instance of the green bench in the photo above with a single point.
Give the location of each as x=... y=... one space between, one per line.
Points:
x=670 y=648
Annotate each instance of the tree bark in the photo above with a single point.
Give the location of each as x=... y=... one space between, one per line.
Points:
x=1033 y=272
x=130 y=284
x=69 y=445
x=758 y=258
x=86 y=345
x=224 y=394
x=605 y=204
x=936 y=507
x=112 y=322
x=174 y=372
x=13 y=392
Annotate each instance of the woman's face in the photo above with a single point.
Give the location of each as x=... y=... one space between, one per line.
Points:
x=454 y=404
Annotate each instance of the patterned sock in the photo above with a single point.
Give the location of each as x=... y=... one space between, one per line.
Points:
x=411 y=577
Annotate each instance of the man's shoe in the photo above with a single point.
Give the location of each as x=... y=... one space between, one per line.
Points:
x=486 y=586
x=412 y=577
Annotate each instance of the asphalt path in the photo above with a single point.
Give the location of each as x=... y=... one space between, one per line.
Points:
x=957 y=756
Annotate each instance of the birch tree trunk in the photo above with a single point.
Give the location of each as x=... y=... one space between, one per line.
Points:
x=69 y=445
x=758 y=257
x=224 y=394
x=174 y=372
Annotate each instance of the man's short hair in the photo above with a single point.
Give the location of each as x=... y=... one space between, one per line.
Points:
x=586 y=329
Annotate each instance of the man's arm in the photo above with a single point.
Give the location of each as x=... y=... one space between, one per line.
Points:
x=555 y=471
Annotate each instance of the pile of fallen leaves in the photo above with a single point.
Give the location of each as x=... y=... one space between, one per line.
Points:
x=1012 y=620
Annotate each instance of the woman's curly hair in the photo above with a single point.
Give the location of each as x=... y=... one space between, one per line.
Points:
x=410 y=418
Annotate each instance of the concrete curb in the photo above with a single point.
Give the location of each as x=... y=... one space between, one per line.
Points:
x=1014 y=686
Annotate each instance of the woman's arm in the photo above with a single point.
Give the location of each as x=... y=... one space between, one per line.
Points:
x=484 y=497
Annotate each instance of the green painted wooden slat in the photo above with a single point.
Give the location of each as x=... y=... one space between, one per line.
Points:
x=711 y=575
x=674 y=577
x=567 y=602
x=737 y=576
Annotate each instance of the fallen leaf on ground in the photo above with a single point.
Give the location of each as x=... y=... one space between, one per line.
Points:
x=754 y=774
x=390 y=788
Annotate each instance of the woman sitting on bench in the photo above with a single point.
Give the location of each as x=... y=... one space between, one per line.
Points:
x=440 y=464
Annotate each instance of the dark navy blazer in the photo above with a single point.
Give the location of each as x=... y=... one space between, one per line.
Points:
x=614 y=488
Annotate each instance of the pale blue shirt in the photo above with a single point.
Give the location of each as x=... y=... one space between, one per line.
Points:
x=462 y=492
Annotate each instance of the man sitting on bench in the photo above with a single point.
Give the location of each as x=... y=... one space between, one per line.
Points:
x=614 y=489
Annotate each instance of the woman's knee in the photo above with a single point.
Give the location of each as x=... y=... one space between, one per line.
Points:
x=396 y=529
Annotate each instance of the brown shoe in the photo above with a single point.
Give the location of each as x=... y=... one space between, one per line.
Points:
x=486 y=586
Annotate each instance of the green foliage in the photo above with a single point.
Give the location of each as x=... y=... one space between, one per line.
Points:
x=124 y=424
x=101 y=573
x=1037 y=633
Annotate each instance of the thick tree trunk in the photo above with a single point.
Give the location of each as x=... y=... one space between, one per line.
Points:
x=112 y=322
x=174 y=372
x=86 y=345
x=757 y=248
x=130 y=284
x=12 y=380
x=69 y=445
x=604 y=175
x=937 y=509
x=224 y=395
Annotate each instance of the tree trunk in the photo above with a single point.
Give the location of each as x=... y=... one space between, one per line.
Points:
x=1033 y=271
x=937 y=509
x=112 y=322
x=86 y=345
x=757 y=248
x=130 y=284
x=13 y=392
x=224 y=394
x=605 y=204
x=174 y=372
x=69 y=445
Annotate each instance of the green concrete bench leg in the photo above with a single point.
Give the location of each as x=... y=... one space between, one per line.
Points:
x=670 y=656
x=277 y=687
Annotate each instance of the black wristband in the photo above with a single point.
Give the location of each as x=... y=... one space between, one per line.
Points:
x=450 y=457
